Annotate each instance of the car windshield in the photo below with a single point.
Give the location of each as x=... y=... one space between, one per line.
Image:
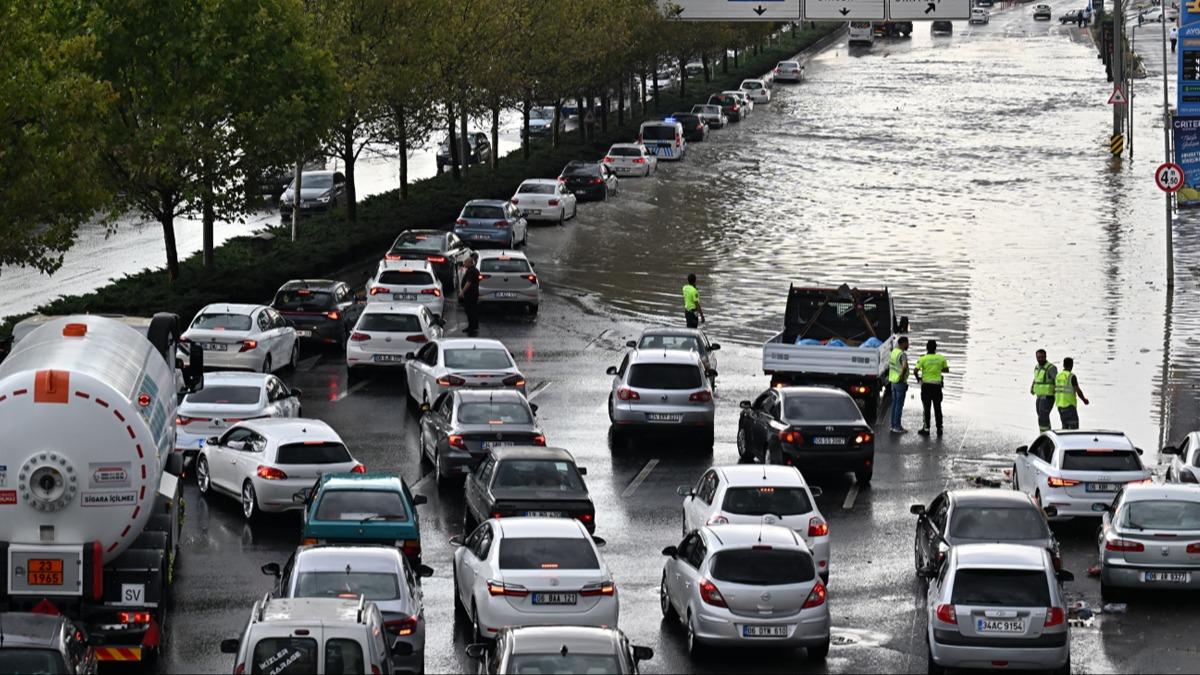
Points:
x=1162 y=514
x=312 y=452
x=536 y=189
x=995 y=523
x=222 y=322
x=361 y=504
x=658 y=132
x=624 y=152
x=563 y=662
x=483 y=212
x=303 y=300
x=788 y=65
x=720 y=99
x=389 y=323
x=547 y=553
x=405 y=278
x=541 y=114
x=320 y=181
x=376 y=586
x=494 y=412
x=419 y=242
x=759 y=501
x=665 y=376
x=762 y=566
x=478 y=359
x=800 y=408
x=1001 y=588
x=284 y=656
x=1103 y=460
x=23 y=660
x=226 y=394
x=537 y=474
x=684 y=342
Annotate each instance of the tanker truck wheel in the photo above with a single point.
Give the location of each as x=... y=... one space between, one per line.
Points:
x=202 y=477
x=249 y=501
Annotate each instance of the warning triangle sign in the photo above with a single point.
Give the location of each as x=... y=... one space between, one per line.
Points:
x=1118 y=96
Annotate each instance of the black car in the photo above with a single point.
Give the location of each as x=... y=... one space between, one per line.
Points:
x=480 y=151
x=942 y=28
x=730 y=105
x=528 y=481
x=444 y=250
x=810 y=428
x=463 y=425
x=1070 y=16
x=322 y=310
x=320 y=191
x=590 y=181
x=694 y=128
x=44 y=643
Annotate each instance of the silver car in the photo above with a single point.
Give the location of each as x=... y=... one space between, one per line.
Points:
x=662 y=389
x=741 y=585
x=1150 y=539
x=689 y=339
x=463 y=426
x=997 y=606
x=559 y=649
x=507 y=278
x=712 y=115
x=1185 y=460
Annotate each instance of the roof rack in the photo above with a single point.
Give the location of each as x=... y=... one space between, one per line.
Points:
x=1087 y=432
x=362 y=608
x=262 y=607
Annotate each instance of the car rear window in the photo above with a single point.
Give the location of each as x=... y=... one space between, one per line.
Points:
x=998 y=524
x=312 y=452
x=658 y=132
x=494 y=412
x=624 y=152
x=703 y=109
x=478 y=359
x=582 y=170
x=225 y=394
x=759 y=501
x=1163 y=515
x=799 y=408
x=343 y=657
x=537 y=474
x=390 y=323
x=361 y=505
x=752 y=85
x=376 y=586
x=563 y=662
x=419 y=242
x=21 y=660
x=721 y=100
x=504 y=265
x=1107 y=460
x=1001 y=588
x=284 y=656
x=484 y=212
x=762 y=567
x=303 y=300
x=217 y=321
x=405 y=278
x=665 y=376
x=545 y=553
x=684 y=342
x=536 y=189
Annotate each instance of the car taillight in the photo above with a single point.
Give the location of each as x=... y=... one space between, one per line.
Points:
x=598 y=589
x=734 y=108
x=411 y=548
x=1124 y=546
x=310 y=540
x=484 y=276
x=531 y=278
x=436 y=292
x=710 y=594
x=700 y=397
x=456 y=441
x=1055 y=616
x=417 y=338
x=247 y=345
x=436 y=259
x=134 y=617
x=514 y=381
x=597 y=181
x=860 y=389
x=946 y=614
x=451 y=381
x=562 y=179
x=392 y=256
x=627 y=394
x=791 y=437
x=240 y=669
x=270 y=473
x=862 y=438
x=359 y=337
x=184 y=420
x=376 y=290
x=1193 y=548
x=1055 y=481
x=587 y=517
x=333 y=315
x=552 y=202
x=816 y=597
x=539 y=440
x=1140 y=481
x=639 y=160
x=678 y=140
x=359 y=468
x=608 y=160
x=501 y=588
x=817 y=527
x=461 y=221
x=401 y=627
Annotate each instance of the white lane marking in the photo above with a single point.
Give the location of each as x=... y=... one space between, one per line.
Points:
x=851 y=496
x=637 y=480
x=350 y=390
x=537 y=390
x=309 y=363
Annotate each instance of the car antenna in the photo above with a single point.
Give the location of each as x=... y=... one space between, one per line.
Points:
x=347 y=569
x=760 y=526
x=563 y=651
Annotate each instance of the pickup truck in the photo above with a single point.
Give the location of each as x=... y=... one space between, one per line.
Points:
x=839 y=337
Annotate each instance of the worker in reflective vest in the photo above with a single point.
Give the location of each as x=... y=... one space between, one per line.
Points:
x=1066 y=389
x=898 y=378
x=1043 y=389
x=930 y=368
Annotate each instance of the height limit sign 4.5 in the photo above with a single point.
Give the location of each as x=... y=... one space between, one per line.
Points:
x=1169 y=177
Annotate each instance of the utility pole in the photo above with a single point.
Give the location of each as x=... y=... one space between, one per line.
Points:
x=1129 y=90
x=1118 y=59
x=1167 y=157
x=296 y=198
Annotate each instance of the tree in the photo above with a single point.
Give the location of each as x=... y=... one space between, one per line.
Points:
x=406 y=59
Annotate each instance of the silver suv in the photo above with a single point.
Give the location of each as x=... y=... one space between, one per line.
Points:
x=662 y=389
x=993 y=604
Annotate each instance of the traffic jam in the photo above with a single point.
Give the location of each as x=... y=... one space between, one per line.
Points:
x=129 y=413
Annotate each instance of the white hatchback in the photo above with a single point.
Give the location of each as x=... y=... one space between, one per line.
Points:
x=226 y=399
x=1074 y=470
x=756 y=90
x=243 y=337
x=445 y=364
x=407 y=281
x=532 y=572
x=545 y=199
x=506 y=277
x=631 y=159
x=386 y=331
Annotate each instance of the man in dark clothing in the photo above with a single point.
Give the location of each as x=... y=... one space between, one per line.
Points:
x=468 y=295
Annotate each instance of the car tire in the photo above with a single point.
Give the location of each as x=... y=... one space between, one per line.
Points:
x=469 y=522
x=664 y=601
x=266 y=366
x=575 y=210
x=1016 y=481
x=708 y=438
x=460 y=610
x=295 y=356
x=476 y=629
x=438 y=477
x=512 y=241
x=1110 y=593
x=525 y=236
x=694 y=647
x=562 y=216
x=1064 y=669
x=533 y=310
x=743 y=449
x=203 y=480
x=612 y=419
x=933 y=667
x=249 y=501
x=863 y=476
x=817 y=653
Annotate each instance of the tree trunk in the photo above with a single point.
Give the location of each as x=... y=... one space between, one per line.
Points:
x=621 y=102
x=525 y=107
x=166 y=218
x=604 y=105
x=464 y=142
x=452 y=141
x=494 y=159
x=793 y=30
x=402 y=146
x=725 y=61
x=704 y=61
x=348 y=158
x=554 y=136
x=644 y=91
x=583 y=127
x=208 y=218
x=682 y=76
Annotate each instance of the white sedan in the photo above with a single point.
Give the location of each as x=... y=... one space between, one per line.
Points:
x=386 y=331
x=263 y=463
x=226 y=399
x=243 y=337
x=1185 y=460
x=631 y=159
x=756 y=90
x=532 y=572
x=407 y=281
x=545 y=199
x=445 y=364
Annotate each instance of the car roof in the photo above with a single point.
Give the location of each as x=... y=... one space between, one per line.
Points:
x=790 y=63
x=375 y=480
x=532 y=452
x=671 y=330
x=659 y=123
x=310 y=610
x=230 y=308
x=323 y=172
x=635 y=146
x=486 y=202
x=553 y=639
x=990 y=497
x=26 y=629
x=741 y=475
x=501 y=253
x=1180 y=492
x=385 y=308
x=422 y=232
x=813 y=392
x=993 y=555
x=470 y=343
x=292 y=430
x=736 y=536
x=369 y=557
x=1082 y=440
x=753 y=79
x=473 y=395
x=537 y=181
x=418 y=263
x=657 y=355
x=236 y=377
x=311 y=284
x=554 y=528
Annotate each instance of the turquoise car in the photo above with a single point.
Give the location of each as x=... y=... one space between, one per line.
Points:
x=363 y=508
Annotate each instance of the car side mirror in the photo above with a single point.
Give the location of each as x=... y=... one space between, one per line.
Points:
x=1050 y=511
x=611 y=370
x=670 y=551
x=419 y=500
x=212 y=440
x=600 y=542
x=424 y=571
x=477 y=650
x=410 y=356
x=714 y=347
x=917 y=509
x=712 y=374
x=193 y=375
x=230 y=646
x=533 y=407
x=1140 y=451
x=457 y=540
x=401 y=648
x=271 y=569
x=582 y=470
x=744 y=405
x=1023 y=450
x=642 y=653
x=684 y=491
x=441 y=323
x=1064 y=576
x=631 y=343
x=297 y=392
x=425 y=407
x=1170 y=450
x=816 y=491
x=1101 y=507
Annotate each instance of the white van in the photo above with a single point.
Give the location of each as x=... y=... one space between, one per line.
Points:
x=663 y=139
x=861 y=33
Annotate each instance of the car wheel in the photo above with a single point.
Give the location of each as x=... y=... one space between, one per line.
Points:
x=266 y=367
x=533 y=310
x=469 y=522
x=1064 y=669
x=562 y=216
x=1016 y=481
x=295 y=357
x=819 y=652
x=934 y=668
x=695 y=649
x=612 y=419
x=476 y=629
x=742 y=449
x=249 y=501
x=575 y=210
x=918 y=563
x=512 y=241
x=1037 y=498
x=863 y=476
x=437 y=468
x=460 y=610
x=202 y=477
x=525 y=236
x=664 y=601
x=708 y=437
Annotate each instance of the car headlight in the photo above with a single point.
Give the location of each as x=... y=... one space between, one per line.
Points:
x=323 y=198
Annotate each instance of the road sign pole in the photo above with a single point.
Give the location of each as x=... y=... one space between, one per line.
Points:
x=1118 y=58
x=1167 y=155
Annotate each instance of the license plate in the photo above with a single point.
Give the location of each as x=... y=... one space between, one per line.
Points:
x=304 y=333
x=664 y=417
x=1102 y=487
x=407 y=297
x=533 y=212
x=45 y=572
x=1167 y=577
x=505 y=294
x=544 y=514
x=828 y=440
x=488 y=445
x=999 y=625
x=214 y=346
x=555 y=598
x=388 y=358
x=765 y=631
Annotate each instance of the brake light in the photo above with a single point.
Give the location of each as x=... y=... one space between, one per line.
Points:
x=816 y=597
x=678 y=140
x=392 y=256
x=417 y=338
x=1055 y=616
x=734 y=108
x=376 y=290
x=436 y=292
x=412 y=548
x=1124 y=546
x=436 y=259
x=500 y=223
x=627 y=394
x=456 y=441
x=401 y=627
x=608 y=160
x=270 y=473
x=501 y=588
x=700 y=397
x=247 y=345
x=184 y=420
x=710 y=594
x=309 y=540
x=461 y=221
x=134 y=617
x=597 y=589
x=639 y=160
x=863 y=438
x=946 y=614
x=359 y=468
x=514 y=381
x=451 y=381
x=333 y=315
x=359 y=337
x=531 y=278
x=817 y=527
x=1193 y=548
x=552 y=202
x=240 y=669
x=1055 y=481
x=539 y=440
x=587 y=517
x=791 y=437
x=860 y=389
x=484 y=276
x=597 y=181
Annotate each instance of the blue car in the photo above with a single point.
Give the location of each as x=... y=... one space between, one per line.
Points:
x=363 y=508
x=493 y=222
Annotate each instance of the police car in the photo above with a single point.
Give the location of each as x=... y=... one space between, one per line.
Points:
x=663 y=139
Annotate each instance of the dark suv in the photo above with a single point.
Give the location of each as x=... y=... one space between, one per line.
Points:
x=480 y=150
x=694 y=128
x=729 y=105
x=322 y=310
x=444 y=250
x=43 y=643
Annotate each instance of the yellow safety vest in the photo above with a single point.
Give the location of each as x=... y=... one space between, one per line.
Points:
x=1064 y=390
x=931 y=367
x=1042 y=384
x=894 y=366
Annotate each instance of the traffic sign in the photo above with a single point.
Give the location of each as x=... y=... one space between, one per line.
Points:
x=928 y=10
x=1118 y=96
x=1169 y=177
x=845 y=10
x=732 y=10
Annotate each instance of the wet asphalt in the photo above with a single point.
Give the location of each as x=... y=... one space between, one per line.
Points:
x=967 y=174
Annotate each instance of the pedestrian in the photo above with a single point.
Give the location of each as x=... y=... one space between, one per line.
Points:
x=898 y=378
x=1066 y=389
x=930 y=368
x=468 y=295
x=1141 y=16
x=1043 y=389
x=1174 y=37
x=691 y=303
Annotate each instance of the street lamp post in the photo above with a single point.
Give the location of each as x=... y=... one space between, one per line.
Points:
x=1167 y=155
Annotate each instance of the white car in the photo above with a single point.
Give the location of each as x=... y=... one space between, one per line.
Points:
x=226 y=399
x=506 y=277
x=747 y=104
x=386 y=331
x=460 y=362
x=747 y=494
x=545 y=199
x=264 y=463
x=756 y=90
x=712 y=115
x=407 y=281
x=532 y=572
x=243 y=337
x=1185 y=460
x=631 y=159
x=979 y=16
x=1073 y=470
x=789 y=71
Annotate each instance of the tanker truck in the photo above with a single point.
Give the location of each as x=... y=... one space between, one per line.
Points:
x=90 y=506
